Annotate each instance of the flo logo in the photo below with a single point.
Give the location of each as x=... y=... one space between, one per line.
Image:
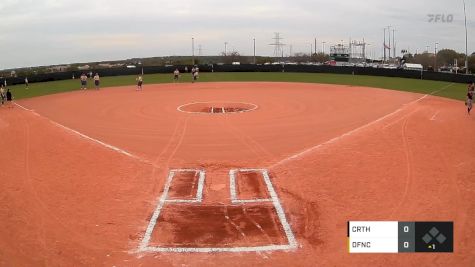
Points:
x=440 y=18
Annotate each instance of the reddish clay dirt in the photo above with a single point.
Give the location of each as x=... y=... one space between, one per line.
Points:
x=69 y=201
x=184 y=186
x=250 y=185
x=179 y=226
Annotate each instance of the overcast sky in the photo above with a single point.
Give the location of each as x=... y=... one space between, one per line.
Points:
x=46 y=32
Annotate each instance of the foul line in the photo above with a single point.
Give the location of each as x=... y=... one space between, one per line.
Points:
x=442 y=89
x=114 y=148
x=309 y=150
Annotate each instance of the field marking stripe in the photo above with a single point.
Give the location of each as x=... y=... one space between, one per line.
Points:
x=156 y=213
x=201 y=182
x=280 y=211
x=442 y=89
x=114 y=148
x=232 y=185
x=182 y=201
x=241 y=201
x=311 y=149
x=224 y=249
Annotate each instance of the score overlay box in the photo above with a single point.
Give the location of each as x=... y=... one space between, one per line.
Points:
x=399 y=237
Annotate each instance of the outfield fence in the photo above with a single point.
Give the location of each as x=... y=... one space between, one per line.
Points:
x=426 y=75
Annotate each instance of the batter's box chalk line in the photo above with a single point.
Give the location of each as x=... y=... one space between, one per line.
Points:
x=274 y=200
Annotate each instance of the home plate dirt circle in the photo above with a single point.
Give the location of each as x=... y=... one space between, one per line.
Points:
x=217 y=107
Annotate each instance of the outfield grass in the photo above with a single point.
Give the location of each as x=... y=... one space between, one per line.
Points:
x=454 y=91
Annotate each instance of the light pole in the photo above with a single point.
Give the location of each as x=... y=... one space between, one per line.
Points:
x=193 y=51
x=315 y=47
x=384 y=46
x=323 y=47
x=466 y=39
x=394 y=43
x=254 y=42
x=389 y=41
x=435 y=56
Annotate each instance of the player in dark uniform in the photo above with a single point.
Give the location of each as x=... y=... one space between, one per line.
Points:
x=9 y=98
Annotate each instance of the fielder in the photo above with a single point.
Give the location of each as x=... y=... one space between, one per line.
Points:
x=139 y=82
x=97 y=81
x=176 y=75
x=83 y=80
x=470 y=93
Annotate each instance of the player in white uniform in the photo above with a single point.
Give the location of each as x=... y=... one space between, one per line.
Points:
x=176 y=75
x=139 y=82
x=3 y=96
x=97 y=81
x=83 y=81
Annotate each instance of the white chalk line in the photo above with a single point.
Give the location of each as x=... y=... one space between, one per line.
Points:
x=156 y=213
x=311 y=149
x=223 y=249
x=114 y=148
x=292 y=243
x=232 y=185
x=280 y=211
x=442 y=89
x=242 y=201
x=233 y=191
x=274 y=198
x=199 y=192
x=163 y=199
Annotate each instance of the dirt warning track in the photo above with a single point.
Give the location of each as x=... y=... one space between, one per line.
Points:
x=123 y=178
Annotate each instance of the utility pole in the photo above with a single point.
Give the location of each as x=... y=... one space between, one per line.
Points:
x=466 y=39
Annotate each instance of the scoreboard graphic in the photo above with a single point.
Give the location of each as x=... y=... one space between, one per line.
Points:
x=400 y=237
